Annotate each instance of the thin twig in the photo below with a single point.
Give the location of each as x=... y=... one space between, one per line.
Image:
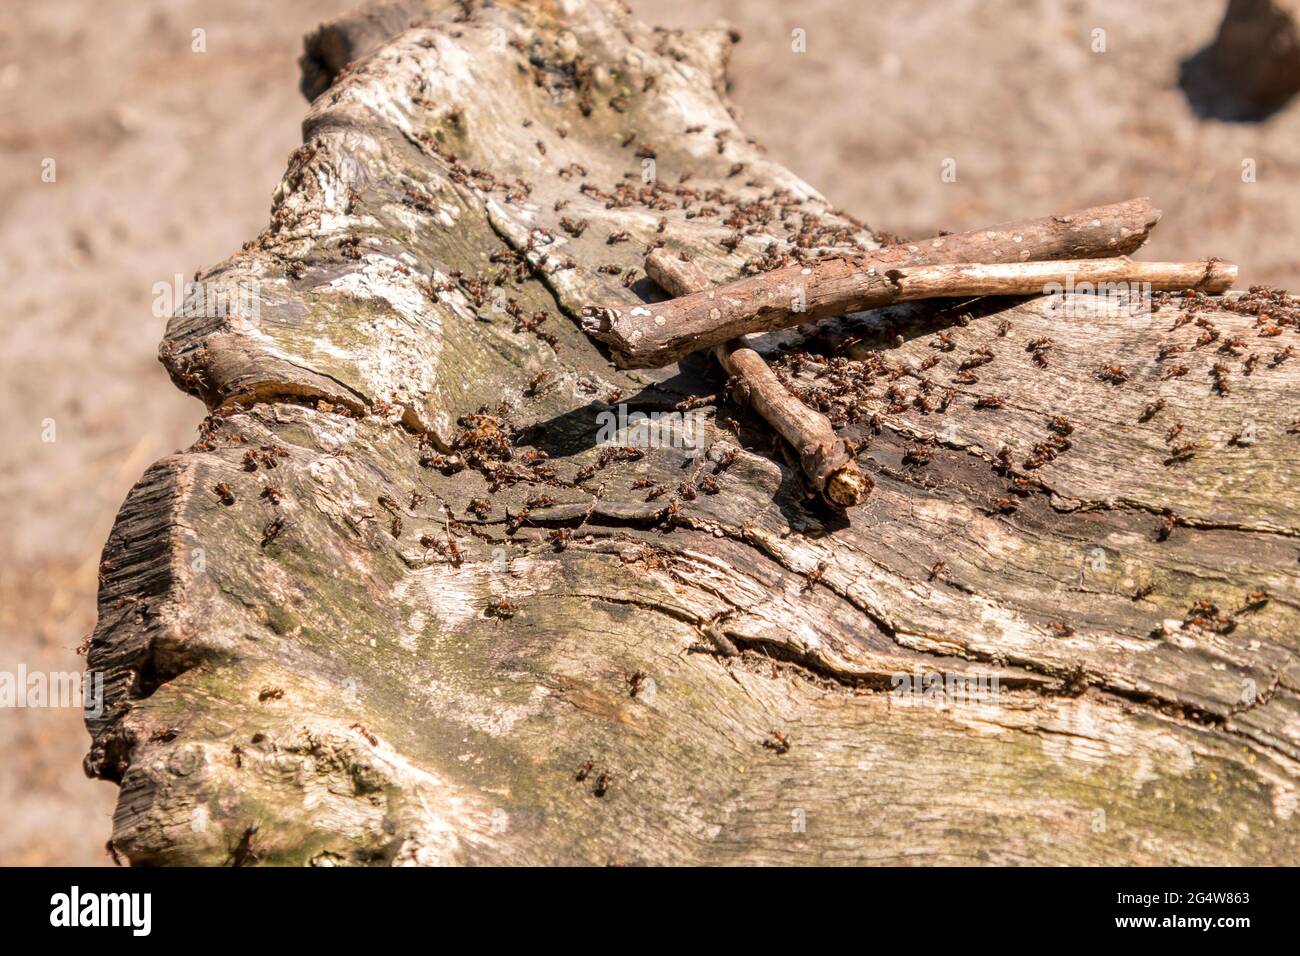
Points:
x=655 y=335
x=824 y=456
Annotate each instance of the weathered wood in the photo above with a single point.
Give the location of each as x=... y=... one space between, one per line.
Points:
x=1101 y=231
x=824 y=456
x=329 y=48
x=359 y=622
x=645 y=337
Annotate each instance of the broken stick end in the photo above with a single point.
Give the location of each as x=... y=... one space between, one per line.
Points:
x=849 y=486
x=598 y=320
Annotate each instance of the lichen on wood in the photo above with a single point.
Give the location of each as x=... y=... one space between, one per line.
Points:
x=397 y=605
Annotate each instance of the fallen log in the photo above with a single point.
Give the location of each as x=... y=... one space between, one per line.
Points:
x=644 y=336
x=397 y=605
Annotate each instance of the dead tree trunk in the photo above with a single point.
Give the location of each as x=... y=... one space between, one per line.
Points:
x=397 y=604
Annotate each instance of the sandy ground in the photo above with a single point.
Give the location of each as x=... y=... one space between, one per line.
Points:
x=166 y=158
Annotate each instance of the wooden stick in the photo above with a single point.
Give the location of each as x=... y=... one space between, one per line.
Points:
x=824 y=456
x=654 y=335
x=1116 y=229
x=1100 y=232
x=1097 y=232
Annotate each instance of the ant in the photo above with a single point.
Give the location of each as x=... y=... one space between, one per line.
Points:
x=269 y=693
x=1220 y=375
x=727 y=458
x=361 y=729
x=516 y=521
x=272 y=531
x=223 y=493
x=537 y=382
x=502 y=610
x=975 y=358
x=1151 y=410
x=778 y=743
x=1021 y=487
x=1254 y=601
x=1061 y=425
x=1114 y=374
x=1205 y=615
x=916 y=456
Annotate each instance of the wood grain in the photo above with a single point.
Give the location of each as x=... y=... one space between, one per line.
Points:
x=421 y=627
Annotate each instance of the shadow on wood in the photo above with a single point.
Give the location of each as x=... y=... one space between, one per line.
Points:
x=364 y=620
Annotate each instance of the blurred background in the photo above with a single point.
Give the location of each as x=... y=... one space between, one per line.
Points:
x=165 y=159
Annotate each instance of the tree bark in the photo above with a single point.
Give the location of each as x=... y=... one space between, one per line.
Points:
x=398 y=605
